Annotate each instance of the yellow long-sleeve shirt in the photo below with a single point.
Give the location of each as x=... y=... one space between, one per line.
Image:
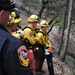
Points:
x=30 y=34
x=43 y=38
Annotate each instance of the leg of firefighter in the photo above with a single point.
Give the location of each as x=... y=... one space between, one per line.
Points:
x=31 y=59
x=50 y=64
x=39 y=60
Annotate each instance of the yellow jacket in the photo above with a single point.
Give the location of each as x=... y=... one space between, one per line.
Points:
x=30 y=35
x=17 y=35
x=43 y=38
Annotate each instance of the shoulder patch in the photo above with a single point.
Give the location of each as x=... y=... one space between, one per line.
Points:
x=23 y=56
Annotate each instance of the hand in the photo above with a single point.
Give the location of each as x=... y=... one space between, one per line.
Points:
x=47 y=52
x=50 y=49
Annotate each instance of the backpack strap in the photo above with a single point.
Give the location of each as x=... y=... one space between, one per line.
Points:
x=26 y=27
x=41 y=32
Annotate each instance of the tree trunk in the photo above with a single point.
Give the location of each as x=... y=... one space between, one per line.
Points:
x=43 y=7
x=65 y=16
x=68 y=29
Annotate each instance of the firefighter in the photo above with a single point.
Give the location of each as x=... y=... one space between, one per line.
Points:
x=13 y=54
x=18 y=18
x=14 y=20
x=42 y=45
x=30 y=37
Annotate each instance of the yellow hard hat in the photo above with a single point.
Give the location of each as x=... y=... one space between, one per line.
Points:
x=13 y=18
x=44 y=23
x=33 y=18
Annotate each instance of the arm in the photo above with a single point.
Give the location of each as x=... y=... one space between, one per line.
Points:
x=29 y=35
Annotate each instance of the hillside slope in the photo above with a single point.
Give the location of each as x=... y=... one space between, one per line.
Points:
x=60 y=68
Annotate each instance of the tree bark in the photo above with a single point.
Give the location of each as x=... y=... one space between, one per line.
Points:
x=68 y=29
x=44 y=2
x=62 y=35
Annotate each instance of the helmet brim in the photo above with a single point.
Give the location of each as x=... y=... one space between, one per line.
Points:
x=32 y=21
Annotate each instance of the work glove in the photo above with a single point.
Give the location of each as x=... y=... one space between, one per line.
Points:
x=48 y=51
x=20 y=32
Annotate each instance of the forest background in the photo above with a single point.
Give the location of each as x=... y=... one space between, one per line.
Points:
x=61 y=16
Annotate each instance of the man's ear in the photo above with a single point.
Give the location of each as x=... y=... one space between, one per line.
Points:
x=1 y=12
